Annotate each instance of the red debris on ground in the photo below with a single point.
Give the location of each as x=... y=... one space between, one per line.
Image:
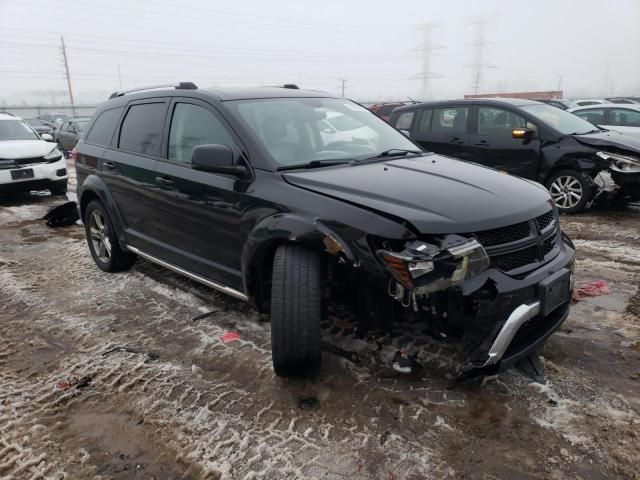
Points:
x=230 y=337
x=590 y=289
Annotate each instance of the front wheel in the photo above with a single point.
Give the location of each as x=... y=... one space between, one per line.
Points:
x=571 y=190
x=296 y=311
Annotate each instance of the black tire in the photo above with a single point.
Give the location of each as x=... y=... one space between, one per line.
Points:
x=565 y=185
x=117 y=259
x=296 y=311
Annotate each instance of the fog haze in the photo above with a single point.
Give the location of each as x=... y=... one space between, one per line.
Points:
x=585 y=48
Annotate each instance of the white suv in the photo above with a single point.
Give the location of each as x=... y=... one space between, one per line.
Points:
x=28 y=161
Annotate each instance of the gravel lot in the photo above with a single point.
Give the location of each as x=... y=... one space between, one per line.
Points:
x=180 y=403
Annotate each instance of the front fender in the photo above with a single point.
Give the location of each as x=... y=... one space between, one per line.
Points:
x=94 y=186
x=282 y=228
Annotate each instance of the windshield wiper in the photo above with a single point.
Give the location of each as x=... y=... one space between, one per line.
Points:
x=590 y=131
x=313 y=164
x=392 y=152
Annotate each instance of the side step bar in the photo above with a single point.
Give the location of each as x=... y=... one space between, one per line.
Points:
x=193 y=276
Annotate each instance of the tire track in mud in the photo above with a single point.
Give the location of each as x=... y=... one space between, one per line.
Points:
x=224 y=427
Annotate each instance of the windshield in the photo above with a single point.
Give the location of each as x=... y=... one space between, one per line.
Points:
x=560 y=120
x=34 y=122
x=301 y=130
x=16 y=130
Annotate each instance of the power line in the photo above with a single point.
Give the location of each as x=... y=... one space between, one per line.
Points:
x=66 y=69
x=427 y=48
x=342 y=81
x=478 y=46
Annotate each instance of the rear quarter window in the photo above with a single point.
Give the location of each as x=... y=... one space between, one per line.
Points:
x=104 y=127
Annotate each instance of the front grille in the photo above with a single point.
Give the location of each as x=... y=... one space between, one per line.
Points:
x=525 y=235
x=19 y=162
x=545 y=220
x=498 y=236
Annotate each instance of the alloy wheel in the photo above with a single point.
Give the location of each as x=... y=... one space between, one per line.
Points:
x=566 y=191
x=100 y=236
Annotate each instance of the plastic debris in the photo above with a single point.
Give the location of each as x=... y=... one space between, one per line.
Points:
x=590 y=289
x=203 y=315
x=62 y=215
x=74 y=380
x=308 y=403
x=403 y=362
x=230 y=337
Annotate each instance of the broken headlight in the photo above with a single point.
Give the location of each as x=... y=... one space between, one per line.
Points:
x=425 y=267
x=621 y=163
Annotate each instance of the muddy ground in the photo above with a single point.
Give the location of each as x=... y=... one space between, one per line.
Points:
x=180 y=403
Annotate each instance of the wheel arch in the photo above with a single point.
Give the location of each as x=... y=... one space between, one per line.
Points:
x=272 y=232
x=94 y=188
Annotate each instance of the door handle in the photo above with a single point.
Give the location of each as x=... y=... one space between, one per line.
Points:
x=457 y=141
x=109 y=165
x=482 y=143
x=164 y=181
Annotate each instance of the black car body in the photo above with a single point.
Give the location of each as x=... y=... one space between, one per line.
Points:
x=273 y=214
x=574 y=159
x=39 y=126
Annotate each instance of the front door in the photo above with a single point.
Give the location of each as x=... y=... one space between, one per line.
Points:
x=492 y=143
x=198 y=213
x=444 y=131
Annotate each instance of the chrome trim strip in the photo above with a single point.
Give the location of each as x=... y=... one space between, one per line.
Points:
x=518 y=317
x=221 y=288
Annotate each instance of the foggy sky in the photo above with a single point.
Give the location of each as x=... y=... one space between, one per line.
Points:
x=590 y=48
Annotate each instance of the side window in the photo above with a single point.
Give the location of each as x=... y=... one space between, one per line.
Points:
x=192 y=125
x=593 y=115
x=63 y=127
x=624 y=117
x=425 y=121
x=404 y=121
x=141 y=130
x=450 y=120
x=102 y=130
x=498 y=122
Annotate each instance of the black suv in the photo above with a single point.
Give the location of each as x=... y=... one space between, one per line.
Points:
x=576 y=160
x=246 y=191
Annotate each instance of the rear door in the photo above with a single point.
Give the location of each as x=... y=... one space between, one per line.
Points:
x=129 y=169
x=444 y=130
x=197 y=214
x=62 y=134
x=493 y=145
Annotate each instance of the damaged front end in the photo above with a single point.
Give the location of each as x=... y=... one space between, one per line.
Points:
x=621 y=177
x=502 y=292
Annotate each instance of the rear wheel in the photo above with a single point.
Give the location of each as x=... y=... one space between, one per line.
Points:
x=296 y=311
x=102 y=240
x=571 y=190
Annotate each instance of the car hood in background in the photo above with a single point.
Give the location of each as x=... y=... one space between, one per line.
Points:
x=435 y=194
x=14 y=149
x=610 y=138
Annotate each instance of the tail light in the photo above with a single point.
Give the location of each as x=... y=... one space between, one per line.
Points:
x=74 y=154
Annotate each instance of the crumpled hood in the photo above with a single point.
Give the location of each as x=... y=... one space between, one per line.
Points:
x=14 y=149
x=435 y=194
x=610 y=138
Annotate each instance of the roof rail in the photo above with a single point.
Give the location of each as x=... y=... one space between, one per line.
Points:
x=180 y=86
x=292 y=86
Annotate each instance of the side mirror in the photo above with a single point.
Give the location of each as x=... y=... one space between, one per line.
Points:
x=216 y=159
x=522 y=133
x=46 y=137
x=406 y=133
